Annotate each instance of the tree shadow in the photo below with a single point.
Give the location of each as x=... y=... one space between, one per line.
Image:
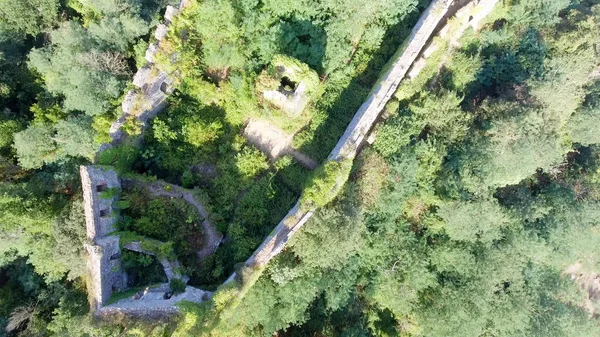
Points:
x=303 y=40
x=344 y=104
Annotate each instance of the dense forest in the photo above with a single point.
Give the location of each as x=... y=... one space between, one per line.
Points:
x=475 y=212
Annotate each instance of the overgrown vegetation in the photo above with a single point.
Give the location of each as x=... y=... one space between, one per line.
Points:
x=470 y=213
x=475 y=212
x=197 y=141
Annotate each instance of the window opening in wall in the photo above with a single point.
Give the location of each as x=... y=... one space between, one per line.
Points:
x=164 y=87
x=101 y=187
x=104 y=213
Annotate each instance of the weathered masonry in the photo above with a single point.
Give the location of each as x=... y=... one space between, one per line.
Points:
x=104 y=253
x=101 y=187
x=365 y=118
x=152 y=84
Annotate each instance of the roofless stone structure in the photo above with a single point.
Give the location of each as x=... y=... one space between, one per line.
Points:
x=101 y=187
x=104 y=253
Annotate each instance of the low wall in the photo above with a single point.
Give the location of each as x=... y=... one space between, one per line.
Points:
x=153 y=304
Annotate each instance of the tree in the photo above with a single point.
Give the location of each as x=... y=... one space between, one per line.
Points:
x=44 y=144
x=28 y=16
x=474 y=221
x=88 y=66
x=7 y=129
x=218 y=28
x=537 y=13
x=581 y=126
x=35 y=147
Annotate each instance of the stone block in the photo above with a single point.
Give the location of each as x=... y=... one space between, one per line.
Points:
x=150 y=52
x=170 y=13
x=161 y=31
x=142 y=76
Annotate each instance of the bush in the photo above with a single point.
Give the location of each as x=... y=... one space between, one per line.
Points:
x=201 y=133
x=120 y=157
x=325 y=183
x=177 y=286
x=250 y=162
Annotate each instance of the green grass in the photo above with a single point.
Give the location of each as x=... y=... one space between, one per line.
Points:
x=119 y=295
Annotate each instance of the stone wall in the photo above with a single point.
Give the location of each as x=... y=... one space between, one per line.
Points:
x=104 y=254
x=152 y=302
x=364 y=119
x=152 y=85
x=98 y=210
x=172 y=268
x=366 y=116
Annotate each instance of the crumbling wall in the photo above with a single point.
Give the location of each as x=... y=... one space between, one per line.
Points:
x=152 y=85
x=172 y=267
x=104 y=254
x=104 y=265
x=152 y=302
x=99 y=209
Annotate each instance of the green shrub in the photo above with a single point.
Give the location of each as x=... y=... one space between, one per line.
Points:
x=177 y=286
x=120 y=157
x=110 y=193
x=250 y=162
x=188 y=179
x=325 y=183
x=200 y=133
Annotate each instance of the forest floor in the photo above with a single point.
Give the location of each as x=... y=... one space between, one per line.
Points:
x=589 y=282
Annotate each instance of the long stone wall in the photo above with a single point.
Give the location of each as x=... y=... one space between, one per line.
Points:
x=152 y=85
x=366 y=116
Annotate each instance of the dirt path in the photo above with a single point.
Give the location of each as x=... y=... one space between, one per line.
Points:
x=274 y=142
x=212 y=238
x=303 y=159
